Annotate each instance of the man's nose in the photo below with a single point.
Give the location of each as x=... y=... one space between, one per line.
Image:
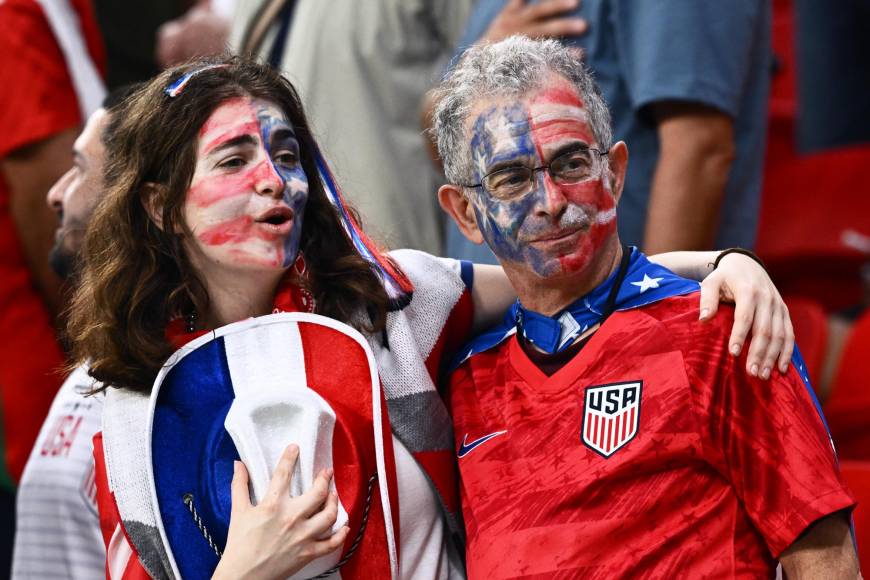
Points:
x=267 y=180
x=551 y=199
x=54 y=198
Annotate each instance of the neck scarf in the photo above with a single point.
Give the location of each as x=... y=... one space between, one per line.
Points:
x=636 y=282
x=643 y=283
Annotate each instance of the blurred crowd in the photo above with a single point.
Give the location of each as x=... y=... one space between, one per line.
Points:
x=748 y=124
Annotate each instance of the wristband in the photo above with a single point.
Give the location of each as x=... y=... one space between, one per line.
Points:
x=747 y=253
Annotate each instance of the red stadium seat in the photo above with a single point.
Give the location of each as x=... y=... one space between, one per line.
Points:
x=811 y=333
x=857 y=476
x=848 y=408
x=814 y=225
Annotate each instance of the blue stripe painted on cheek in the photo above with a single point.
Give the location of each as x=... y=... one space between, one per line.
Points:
x=502 y=134
x=294 y=198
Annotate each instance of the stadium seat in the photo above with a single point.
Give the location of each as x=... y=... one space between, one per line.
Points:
x=811 y=333
x=814 y=224
x=848 y=408
x=857 y=476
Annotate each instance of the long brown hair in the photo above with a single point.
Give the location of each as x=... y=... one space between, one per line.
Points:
x=136 y=276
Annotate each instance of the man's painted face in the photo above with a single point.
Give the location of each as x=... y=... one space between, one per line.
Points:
x=246 y=201
x=555 y=228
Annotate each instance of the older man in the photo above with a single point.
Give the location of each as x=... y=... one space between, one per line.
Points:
x=58 y=532
x=602 y=431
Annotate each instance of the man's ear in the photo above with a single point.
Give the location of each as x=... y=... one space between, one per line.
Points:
x=618 y=161
x=150 y=196
x=453 y=200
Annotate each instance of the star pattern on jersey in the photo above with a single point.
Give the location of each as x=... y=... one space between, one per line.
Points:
x=647 y=283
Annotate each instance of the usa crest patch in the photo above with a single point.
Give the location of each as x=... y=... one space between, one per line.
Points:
x=611 y=414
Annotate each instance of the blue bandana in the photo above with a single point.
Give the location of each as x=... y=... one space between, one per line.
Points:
x=644 y=283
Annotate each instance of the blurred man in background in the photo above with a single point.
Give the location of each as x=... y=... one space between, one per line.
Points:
x=58 y=532
x=51 y=58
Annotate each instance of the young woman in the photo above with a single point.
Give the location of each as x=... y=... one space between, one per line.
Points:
x=220 y=208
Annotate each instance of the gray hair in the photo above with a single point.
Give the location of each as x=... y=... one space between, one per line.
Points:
x=512 y=67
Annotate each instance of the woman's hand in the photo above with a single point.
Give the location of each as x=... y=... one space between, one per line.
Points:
x=758 y=306
x=280 y=535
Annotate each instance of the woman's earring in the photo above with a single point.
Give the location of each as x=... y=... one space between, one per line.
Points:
x=303 y=297
x=300 y=268
x=190 y=321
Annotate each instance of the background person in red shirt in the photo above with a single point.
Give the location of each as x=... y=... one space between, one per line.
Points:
x=50 y=55
x=602 y=431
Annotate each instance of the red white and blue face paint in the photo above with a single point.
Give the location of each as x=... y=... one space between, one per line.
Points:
x=246 y=202
x=555 y=228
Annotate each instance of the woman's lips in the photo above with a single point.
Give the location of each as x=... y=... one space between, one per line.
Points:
x=277 y=220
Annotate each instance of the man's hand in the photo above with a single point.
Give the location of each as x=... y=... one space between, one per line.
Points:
x=758 y=307
x=825 y=550
x=197 y=33
x=545 y=19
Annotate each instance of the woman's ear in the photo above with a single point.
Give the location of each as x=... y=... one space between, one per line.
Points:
x=151 y=198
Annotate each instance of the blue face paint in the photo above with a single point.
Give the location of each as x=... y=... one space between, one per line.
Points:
x=279 y=140
x=553 y=228
x=501 y=221
x=247 y=198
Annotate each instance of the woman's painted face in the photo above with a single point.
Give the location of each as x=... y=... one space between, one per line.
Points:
x=246 y=202
x=555 y=228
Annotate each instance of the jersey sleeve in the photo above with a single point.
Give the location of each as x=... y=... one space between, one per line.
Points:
x=38 y=98
x=442 y=301
x=769 y=439
x=652 y=40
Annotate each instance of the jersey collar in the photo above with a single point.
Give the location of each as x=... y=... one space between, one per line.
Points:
x=644 y=283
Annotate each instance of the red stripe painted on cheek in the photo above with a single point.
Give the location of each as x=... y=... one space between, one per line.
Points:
x=237 y=230
x=590 y=193
x=230 y=231
x=211 y=190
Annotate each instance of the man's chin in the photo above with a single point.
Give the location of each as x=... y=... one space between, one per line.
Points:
x=62 y=261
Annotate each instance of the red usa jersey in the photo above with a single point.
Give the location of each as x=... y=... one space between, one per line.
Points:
x=37 y=100
x=651 y=454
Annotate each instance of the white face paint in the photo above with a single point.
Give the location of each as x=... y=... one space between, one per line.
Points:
x=554 y=229
x=246 y=201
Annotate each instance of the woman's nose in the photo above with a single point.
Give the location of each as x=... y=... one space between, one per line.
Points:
x=267 y=180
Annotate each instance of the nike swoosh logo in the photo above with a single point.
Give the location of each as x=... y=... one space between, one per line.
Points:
x=467 y=447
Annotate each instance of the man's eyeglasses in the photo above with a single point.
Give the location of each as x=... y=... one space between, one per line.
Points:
x=513 y=182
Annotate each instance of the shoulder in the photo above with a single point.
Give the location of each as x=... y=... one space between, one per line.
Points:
x=433 y=278
x=424 y=267
x=678 y=317
x=672 y=325
x=478 y=370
